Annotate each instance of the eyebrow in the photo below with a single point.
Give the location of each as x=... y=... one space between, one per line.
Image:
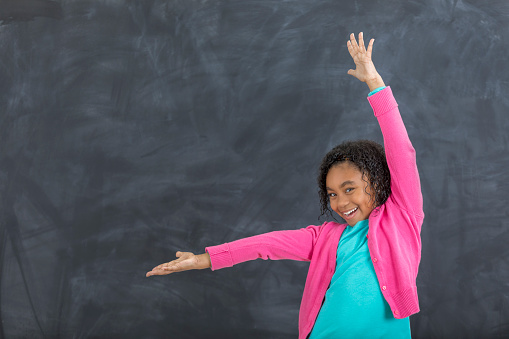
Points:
x=348 y=182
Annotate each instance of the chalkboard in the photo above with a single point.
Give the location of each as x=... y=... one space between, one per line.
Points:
x=130 y=130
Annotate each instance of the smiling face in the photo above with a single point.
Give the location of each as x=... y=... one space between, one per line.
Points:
x=349 y=195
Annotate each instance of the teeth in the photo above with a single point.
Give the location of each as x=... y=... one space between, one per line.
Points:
x=351 y=211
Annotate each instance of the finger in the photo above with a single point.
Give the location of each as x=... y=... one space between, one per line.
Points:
x=173 y=268
x=351 y=72
x=157 y=272
x=350 y=48
x=354 y=52
x=353 y=41
x=370 y=48
x=159 y=267
x=175 y=264
x=361 y=42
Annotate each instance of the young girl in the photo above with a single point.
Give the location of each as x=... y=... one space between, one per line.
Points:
x=361 y=279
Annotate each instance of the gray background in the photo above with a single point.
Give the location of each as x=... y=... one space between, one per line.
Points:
x=133 y=129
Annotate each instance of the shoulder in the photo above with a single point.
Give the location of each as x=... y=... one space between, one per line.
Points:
x=332 y=226
x=393 y=213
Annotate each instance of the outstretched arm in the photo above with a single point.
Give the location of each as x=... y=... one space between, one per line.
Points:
x=277 y=245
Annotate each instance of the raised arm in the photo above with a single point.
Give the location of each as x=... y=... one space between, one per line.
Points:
x=400 y=154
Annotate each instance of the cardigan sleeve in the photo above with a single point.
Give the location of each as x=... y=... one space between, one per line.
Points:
x=400 y=154
x=277 y=245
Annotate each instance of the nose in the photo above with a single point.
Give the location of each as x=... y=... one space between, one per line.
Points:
x=340 y=204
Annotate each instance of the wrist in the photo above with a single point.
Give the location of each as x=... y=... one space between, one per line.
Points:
x=205 y=260
x=375 y=82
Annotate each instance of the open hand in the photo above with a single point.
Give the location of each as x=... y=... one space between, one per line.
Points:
x=186 y=261
x=365 y=70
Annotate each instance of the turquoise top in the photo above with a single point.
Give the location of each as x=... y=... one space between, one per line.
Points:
x=376 y=90
x=354 y=306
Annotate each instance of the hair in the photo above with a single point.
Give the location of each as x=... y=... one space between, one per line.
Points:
x=369 y=157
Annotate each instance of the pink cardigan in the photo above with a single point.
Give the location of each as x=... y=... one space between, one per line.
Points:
x=394 y=240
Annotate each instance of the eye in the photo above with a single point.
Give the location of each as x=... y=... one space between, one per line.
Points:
x=349 y=190
x=331 y=195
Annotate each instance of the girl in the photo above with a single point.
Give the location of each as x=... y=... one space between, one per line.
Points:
x=361 y=279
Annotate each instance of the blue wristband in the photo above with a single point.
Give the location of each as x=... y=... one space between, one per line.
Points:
x=376 y=90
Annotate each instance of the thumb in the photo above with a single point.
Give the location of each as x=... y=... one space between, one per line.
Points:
x=178 y=254
x=351 y=72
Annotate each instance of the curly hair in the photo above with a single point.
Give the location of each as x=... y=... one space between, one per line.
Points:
x=369 y=157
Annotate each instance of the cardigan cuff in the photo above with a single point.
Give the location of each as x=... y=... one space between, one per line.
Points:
x=383 y=101
x=407 y=301
x=220 y=256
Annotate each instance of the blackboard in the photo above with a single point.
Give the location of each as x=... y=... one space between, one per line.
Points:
x=130 y=130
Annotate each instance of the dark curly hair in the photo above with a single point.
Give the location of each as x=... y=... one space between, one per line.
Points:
x=369 y=157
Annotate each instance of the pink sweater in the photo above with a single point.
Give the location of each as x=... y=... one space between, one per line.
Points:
x=394 y=240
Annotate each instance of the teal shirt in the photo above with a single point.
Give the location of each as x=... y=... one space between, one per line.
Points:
x=376 y=90
x=354 y=306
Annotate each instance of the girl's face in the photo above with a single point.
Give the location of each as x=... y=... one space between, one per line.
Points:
x=347 y=193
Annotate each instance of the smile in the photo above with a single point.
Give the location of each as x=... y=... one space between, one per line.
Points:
x=351 y=212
